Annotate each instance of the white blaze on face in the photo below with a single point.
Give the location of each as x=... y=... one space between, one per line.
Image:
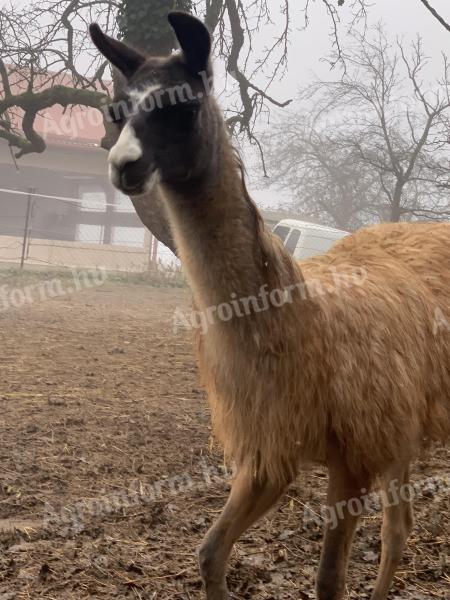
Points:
x=139 y=96
x=127 y=149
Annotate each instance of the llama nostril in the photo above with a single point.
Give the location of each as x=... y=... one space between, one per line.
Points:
x=127 y=180
x=124 y=178
x=132 y=175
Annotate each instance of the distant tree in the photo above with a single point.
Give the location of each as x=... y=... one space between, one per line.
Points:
x=426 y=3
x=377 y=138
x=320 y=174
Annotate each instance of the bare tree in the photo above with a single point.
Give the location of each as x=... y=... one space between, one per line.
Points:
x=388 y=123
x=426 y=3
x=44 y=41
x=47 y=59
x=319 y=173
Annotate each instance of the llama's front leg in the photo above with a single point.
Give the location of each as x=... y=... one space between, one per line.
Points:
x=248 y=501
x=398 y=521
x=344 y=503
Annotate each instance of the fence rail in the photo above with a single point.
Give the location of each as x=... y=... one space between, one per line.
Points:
x=37 y=230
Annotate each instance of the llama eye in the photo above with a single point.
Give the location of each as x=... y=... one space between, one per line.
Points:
x=119 y=121
x=182 y=109
x=187 y=112
x=192 y=108
x=115 y=116
x=119 y=111
x=191 y=112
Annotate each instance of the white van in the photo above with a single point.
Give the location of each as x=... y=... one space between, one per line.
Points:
x=304 y=239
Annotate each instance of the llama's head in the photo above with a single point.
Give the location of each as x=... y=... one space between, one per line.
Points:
x=165 y=115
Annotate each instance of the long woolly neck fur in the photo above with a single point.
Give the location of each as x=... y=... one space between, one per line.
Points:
x=222 y=241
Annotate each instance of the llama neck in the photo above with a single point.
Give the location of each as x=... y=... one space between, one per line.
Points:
x=222 y=242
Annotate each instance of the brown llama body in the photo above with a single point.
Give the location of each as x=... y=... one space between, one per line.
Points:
x=365 y=364
x=347 y=363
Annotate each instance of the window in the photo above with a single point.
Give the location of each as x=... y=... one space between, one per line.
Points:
x=292 y=241
x=91 y=234
x=93 y=199
x=128 y=236
x=122 y=203
x=281 y=231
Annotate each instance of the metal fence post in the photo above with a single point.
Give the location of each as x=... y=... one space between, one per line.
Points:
x=155 y=251
x=26 y=231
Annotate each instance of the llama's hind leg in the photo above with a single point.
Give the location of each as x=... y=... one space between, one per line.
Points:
x=345 y=505
x=398 y=520
x=248 y=501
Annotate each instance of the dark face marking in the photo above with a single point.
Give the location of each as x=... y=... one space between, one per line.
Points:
x=162 y=112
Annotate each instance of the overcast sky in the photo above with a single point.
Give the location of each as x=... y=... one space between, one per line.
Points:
x=404 y=18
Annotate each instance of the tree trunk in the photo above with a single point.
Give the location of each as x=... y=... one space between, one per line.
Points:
x=396 y=211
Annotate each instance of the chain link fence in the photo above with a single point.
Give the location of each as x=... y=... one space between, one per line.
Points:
x=40 y=231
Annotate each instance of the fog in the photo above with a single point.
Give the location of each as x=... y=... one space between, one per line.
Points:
x=309 y=48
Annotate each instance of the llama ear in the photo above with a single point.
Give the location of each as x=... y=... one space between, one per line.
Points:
x=119 y=54
x=194 y=39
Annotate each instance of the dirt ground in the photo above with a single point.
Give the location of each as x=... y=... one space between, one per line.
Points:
x=109 y=477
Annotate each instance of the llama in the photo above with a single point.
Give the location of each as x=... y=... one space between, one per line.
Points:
x=357 y=380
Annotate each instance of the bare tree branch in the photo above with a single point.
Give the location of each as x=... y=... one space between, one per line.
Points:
x=436 y=15
x=387 y=147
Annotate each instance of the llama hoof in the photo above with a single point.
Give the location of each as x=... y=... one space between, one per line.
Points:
x=218 y=594
x=328 y=590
